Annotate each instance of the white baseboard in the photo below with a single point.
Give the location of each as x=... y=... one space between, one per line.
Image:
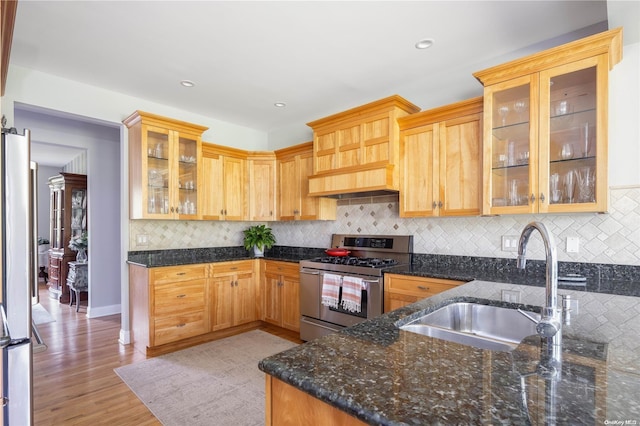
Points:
x=125 y=337
x=103 y=311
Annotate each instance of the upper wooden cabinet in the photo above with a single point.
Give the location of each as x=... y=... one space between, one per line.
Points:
x=441 y=158
x=224 y=185
x=294 y=166
x=164 y=167
x=262 y=186
x=545 y=129
x=358 y=150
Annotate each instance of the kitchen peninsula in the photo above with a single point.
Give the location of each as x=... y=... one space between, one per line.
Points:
x=379 y=374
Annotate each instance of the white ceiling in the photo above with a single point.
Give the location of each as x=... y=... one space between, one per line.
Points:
x=318 y=57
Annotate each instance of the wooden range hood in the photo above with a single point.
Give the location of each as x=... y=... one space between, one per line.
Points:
x=356 y=152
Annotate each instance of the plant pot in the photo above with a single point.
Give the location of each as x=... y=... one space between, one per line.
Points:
x=257 y=252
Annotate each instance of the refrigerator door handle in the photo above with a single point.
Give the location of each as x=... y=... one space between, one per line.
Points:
x=5 y=337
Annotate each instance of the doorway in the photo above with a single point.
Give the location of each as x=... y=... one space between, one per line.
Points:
x=90 y=147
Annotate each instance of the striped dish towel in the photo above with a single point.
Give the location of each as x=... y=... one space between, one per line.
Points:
x=352 y=293
x=330 y=290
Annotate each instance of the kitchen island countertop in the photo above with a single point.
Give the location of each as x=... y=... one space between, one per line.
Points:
x=383 y=375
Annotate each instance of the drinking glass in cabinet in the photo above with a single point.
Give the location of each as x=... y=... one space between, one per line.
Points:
x=503 y=111
x=554 y=188
x=520 y=106
x=569 y=186
x=586 y=140
x=567 y=151
x=586 y=181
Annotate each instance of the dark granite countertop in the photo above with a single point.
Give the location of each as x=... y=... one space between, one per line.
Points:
x=383 y=375
x=159 y=258
x=600 y=278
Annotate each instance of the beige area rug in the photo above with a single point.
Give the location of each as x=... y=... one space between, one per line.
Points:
x=39 y=315
x=216 y=383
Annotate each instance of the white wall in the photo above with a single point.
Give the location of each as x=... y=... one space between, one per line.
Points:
x=624 y=119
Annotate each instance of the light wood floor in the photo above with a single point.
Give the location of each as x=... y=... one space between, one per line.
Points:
x=74 y=381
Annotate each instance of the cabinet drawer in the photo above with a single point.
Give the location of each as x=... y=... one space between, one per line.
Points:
x=225 y=268
x=178 y=327
x=418 y=286
x=178 y=298
x=282 y=268
x=54 y=272
x=172 y=274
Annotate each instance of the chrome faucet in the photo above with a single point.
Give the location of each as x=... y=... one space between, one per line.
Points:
x=551 y=322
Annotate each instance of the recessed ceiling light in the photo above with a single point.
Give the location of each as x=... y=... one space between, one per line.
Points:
x=425 y=43
x=279 y=104
x=187 y=83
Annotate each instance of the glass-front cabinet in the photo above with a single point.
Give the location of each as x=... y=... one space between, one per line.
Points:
x=164 y=167
x=67 y=220
x=545 y=132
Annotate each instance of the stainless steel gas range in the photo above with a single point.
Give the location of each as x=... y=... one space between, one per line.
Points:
x=368 y=257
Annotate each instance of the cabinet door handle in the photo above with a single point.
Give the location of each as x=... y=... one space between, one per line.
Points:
x=181 y=273
x=542 y=197
x=180 y=296
x=533 y=198
x=231 y=283
x=180 y=325
x=233 y=268
x=434 y=205
x=172 y=210
x=421 y=287
x=221 y=211
x=439 y=204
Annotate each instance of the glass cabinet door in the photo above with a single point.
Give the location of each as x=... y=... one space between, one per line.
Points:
x=78 y=212
x=512 y=147
x=187 y=176
x=158 y=195
x=569 y=129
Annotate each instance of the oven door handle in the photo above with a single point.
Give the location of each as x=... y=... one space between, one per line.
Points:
x=309 y=271
x=376 y=281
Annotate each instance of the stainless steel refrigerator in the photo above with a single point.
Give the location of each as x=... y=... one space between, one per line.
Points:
x=19 y=277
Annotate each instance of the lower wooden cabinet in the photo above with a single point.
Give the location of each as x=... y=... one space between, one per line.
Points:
x=168 y=304
x=234 y=294
x=282 y=294
x=289 y=406
x=173 y=303
x=402 y=290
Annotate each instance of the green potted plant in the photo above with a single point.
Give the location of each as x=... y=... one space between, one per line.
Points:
x=258 y=237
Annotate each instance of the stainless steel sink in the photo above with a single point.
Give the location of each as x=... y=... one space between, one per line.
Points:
x=473 y=324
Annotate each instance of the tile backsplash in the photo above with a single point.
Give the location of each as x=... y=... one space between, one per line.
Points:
x=612 y=238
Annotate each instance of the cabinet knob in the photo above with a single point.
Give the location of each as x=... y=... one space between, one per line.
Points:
x=542 y=197
x=434 y=205
x=439 y=204
x=222 y=211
